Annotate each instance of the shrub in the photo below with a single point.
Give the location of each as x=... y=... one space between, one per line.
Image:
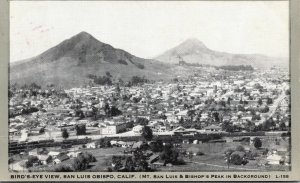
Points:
x=200 y=153
x=257 y=143
x=240 y=148
x=31 y=160
x=229 y=152
x=236 y=159
x=63 y=168
x=122 y=62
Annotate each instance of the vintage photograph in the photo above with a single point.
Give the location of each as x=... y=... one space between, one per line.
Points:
x=149 y=86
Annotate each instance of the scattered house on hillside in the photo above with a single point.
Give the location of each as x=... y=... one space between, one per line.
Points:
x=137 y=145
x=43 y=159
x=91 y=145
x=74 y=154
x=60 y=159
x=274 y=159
x=153 y=158
x=54 y=154
x=13 y=132
x=35 y=152
x=127 y=144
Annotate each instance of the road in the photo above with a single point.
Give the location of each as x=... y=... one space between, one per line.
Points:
x=272 y=108
x=226 y=167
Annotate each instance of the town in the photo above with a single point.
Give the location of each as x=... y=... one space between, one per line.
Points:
x=211 y=119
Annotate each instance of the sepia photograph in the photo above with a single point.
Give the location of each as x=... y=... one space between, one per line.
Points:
x=149 y=86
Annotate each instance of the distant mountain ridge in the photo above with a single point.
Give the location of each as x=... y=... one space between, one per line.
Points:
x=69 y=63
x=194 y=51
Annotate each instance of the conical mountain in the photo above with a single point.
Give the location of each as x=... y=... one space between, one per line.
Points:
x=194 y=51
x=69 y=63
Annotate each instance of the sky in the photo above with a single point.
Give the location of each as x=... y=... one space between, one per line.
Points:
x=148 y=28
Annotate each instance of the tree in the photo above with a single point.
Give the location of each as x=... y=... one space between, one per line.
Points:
x=236 y=159
x=240 y=148
x=104 y=143
x=115 y=111
x=191 y=114
x=65 y=134
x=257 y=143
x=49 y=159
x=42 y=130
x=82 y=161
x=169 y=154
x=269 y=101
x=31 y=160
x=117 y=162
x=259 y=102
x=282 y=126
x=226 y=126
x=129 y=164
x=288 y=92
x=80 y=129
x=63 y=168
x=157 y=146
x=142 y=121
x=147 y=133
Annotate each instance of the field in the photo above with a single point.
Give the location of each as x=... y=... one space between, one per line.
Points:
x=212 y=158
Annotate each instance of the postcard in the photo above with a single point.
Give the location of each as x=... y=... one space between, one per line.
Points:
x=149 y=91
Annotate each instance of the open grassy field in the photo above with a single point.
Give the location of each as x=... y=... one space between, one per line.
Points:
x=211 y=160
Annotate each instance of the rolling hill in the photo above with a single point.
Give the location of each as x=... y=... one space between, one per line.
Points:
x=69 y=63
x=194 y=51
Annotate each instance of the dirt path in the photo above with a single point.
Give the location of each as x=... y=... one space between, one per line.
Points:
x=226 y=167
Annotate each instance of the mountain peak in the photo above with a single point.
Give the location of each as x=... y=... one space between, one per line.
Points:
x=83 y=36
x=194 y=43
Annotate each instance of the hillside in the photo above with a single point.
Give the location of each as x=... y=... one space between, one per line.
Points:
x=69 y=63
x=194 y=51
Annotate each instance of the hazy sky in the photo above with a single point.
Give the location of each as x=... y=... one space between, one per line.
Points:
x=147 y=29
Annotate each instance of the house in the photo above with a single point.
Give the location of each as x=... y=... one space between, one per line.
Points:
x=35 y=152
x=54 y=154
x=212 y=128
x=91 y=145
x=60 y=159
x=274 y=159
x=113 y=129
x=13 y=132
x=137 y=129
x=74 y=154
x=127 y=144
x=43 y=159
x=153 y=158
x=137 y=145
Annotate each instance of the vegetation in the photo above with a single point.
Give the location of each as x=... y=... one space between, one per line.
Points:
x=65 y=133
x=31 y=160
x=236 y=159
x=257 y=143
x=142 y=121
x=80 y=129
x=101 y=80
x=147 y=133
x=236 y=67
x=136 y=80
x=82 y=161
